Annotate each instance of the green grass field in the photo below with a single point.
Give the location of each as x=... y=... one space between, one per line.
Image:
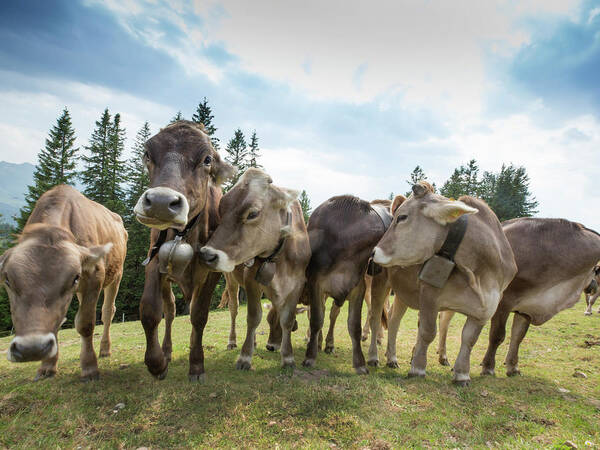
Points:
x=325 y=407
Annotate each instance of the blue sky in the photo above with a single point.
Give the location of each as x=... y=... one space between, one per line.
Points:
x=346 y=97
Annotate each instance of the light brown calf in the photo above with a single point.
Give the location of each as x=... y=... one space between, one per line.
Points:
x=485 y=266
x=263 y=227
x=70 y=245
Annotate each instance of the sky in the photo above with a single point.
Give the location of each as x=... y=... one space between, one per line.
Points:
x=345 y=96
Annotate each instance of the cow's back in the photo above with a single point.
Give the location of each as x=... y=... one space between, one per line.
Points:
x=90 y=223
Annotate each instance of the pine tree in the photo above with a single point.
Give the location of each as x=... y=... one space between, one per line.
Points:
x=391 y=196
x=104 y=170
x=418 y=174
x=204 y=116
x=305 y=205
x=237 y=154
x=463 y=181
x=510 y=197
x=139 y=235
x=177 y=117
x=253 y=151
x=56 y=164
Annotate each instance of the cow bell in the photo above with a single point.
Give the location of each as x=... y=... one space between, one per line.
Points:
x=436 y=271
x=265 y=273
x=174 y=257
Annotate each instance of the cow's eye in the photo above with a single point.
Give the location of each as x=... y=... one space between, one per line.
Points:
x=76 y=280
x=207 y=161
x=252 y=215
x=401 y=218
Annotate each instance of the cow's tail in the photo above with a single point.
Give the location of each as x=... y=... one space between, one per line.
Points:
x=224 y=299
x=384 y=318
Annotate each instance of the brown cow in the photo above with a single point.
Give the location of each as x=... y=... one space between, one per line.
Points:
x=70 y=245
x=592 y=292
x=484 y=267
x=185 y=178
x=342 y=231
x=263 y=227
x=555 y=258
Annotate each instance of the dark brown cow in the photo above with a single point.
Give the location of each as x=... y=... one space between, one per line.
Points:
x=342 y=232
x=185 y=178
x=263 y=227
x=70 y=245
x=556 y=260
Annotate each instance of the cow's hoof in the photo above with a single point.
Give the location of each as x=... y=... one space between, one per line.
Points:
x=288 y=363
x=243 y=364
x=416 y=374
x=587 y=313
x=392 y=364
x=42 y=374
x=513 y=373
x=379 y=341
x=231 y=346
x=373 y=362
x=197 y=378
x=162 y=375
x=443 y=361
x=364 y=337
x=94 y=376
x=104 y=353
x=362 y=370
x=308 y=362
x=488 y=371
x=272 y=347
x=329 y=349
x=461 y=383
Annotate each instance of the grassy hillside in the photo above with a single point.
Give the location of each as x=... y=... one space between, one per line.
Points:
x=325 y=407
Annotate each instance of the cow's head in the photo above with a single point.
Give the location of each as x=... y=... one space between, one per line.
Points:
x=253 y=219
x=41 y=274
x=181 y=165
x=419 y=227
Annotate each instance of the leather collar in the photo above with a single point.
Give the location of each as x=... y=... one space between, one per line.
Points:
x=456 y=232
x=281 y=242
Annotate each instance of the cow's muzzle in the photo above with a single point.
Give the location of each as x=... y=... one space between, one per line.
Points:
x=217 y=259
x=162 y=207
x=32 y=347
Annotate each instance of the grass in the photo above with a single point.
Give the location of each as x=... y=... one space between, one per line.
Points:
x=325 y=407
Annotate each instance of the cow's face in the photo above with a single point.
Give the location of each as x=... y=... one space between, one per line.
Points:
x=40 y=281
x=253 y=219
x=181 y=165
x=419 y=227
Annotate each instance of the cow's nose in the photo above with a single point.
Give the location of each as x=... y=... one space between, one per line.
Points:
x=162 y=202
x=32 y=347
x=208 y=255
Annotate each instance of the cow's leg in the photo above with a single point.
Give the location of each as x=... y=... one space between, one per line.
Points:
x=253 y=292
x=497 y=334
x=334 y=312
x=379 y=292
x=428 y=312
x=590 y=300
x=445 y=318
x=462 y=366
x=355 y=301
x=233 y=288
x=367 y=326
x=85 y=321
x=274 y=340
x=317 y=303
x=519 y=330
x=287 y=317
x=199 y=316
x=168 y=299
x=151 y=311
x=108 y=313
x=397 y=312
x=48 y=367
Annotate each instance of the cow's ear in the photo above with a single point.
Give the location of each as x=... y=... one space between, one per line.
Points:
x=398 y=200
x=221 y=171
x=92 y=255
x=447 y=211
x=285 y=197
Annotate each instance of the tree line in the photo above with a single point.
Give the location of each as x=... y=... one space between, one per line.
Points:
x=117 y=183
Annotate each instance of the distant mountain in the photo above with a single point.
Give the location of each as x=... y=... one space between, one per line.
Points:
x=14 y=179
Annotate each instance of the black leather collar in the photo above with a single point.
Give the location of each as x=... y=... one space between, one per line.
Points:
x=162 y=237
x=456 y=232
x=384 y=215
x=281 y=243
x=265 y=273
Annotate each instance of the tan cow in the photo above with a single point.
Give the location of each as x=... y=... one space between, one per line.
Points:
x=263 y=227
x=555 y=260
x=484 y=267
x=70 y=245
x=592 y=291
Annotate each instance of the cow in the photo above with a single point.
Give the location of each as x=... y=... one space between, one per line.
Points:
x=592 y=292
x=556 y=260
x=181 y=206
x=342 y=231
x=69 y=246
x=262 y=227
x=478 y=272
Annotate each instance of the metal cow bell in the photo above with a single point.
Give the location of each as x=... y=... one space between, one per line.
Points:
x=436 y=271
x=174 y=257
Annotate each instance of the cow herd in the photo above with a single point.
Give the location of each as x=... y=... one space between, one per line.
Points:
x=437 y=255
